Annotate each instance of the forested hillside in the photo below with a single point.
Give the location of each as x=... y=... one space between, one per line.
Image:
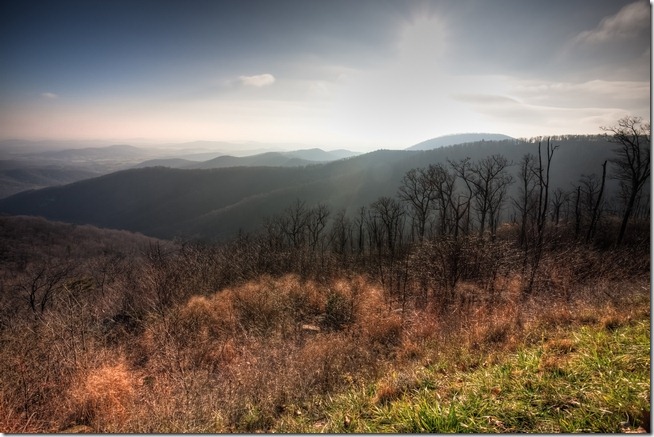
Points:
x=16 y=177
x=215 y=204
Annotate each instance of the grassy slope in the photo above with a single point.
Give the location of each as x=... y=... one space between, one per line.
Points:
x=593 y=378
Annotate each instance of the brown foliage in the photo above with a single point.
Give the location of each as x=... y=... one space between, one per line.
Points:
x=102 y=397
x=150 y=342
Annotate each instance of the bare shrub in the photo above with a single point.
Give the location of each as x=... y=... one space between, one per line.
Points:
x=384 y=329
x=304 y=299
x=326 y=361
x=491 y=328
x=379 y=324
x=103 y=396
x=12 y=422
x=176 y=340
x=553 y=364
x=339 y=311
x=204 y=316
x=342 y=303
x=258 y=307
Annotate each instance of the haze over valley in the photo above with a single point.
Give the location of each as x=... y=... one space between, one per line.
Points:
x=143 y=195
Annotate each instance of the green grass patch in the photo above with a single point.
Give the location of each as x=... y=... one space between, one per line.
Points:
x=587 y=379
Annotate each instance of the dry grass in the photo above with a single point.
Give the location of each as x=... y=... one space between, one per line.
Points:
x=103 y=397
x=239 y=359
x=560 y=346
x=395 y=384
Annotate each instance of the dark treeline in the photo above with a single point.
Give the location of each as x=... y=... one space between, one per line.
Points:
x=465 y=220
x=213 y=204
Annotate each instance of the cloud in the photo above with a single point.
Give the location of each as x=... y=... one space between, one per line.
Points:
x=258 y=81
x=628 y=23
x=49 y=96
x=550 y=107
x=595 y=92
x=485 y=99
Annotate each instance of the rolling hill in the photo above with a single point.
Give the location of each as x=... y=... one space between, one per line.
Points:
x=15 y=177
x=268 y=159
x=451 y=140
x=32 y=165
x=214 y=204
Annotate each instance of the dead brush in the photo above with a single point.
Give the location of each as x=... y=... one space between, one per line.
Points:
x=206 y=325
x=259 y=383
x=554 y=364
x=489 y=327
x=379 y=325
x=410 y=351
x=383 y=330
x=423 y=327
x=13 y=422
x=259 y=308
x=304 y=300
x=550 y=313
x=326 y=360
x=344 y=302
x=613 y=321
x=104 y=396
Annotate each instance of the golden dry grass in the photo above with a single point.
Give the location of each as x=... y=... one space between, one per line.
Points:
x=103 y=397
x=238 y=359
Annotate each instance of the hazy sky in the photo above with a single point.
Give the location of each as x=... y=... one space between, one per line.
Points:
x=357 y=74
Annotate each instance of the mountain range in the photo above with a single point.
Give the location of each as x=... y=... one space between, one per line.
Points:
x=268 y=159
x=215 y=203
x=32 y=165
x=26 y=165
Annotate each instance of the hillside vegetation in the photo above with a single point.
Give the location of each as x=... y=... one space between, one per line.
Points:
x=28 y=165
x=214 y=204
x=471 y=300
x=106 y=332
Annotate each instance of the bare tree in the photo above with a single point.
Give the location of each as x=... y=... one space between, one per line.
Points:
x=631 y=165
x=525 y=202
x=488 y=180
x=445 y=183
x=542 y=172
x=360 y=223
x=390 y=212
x=418 y=191
x=559 y=198
x=316 y=224
x=578 y=211
x=462 y=211
x=42 y=284
x=341 y=233
x=593 y=190
x=543 y=175
x=294 y=223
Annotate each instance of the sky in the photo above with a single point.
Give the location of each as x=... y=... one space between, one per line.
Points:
x=355 y=74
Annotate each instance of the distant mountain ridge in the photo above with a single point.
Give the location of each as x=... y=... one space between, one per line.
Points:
x=295 y=158
x=451 y=140
x=14 y=179
x=26 y=165
x=214 y=204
